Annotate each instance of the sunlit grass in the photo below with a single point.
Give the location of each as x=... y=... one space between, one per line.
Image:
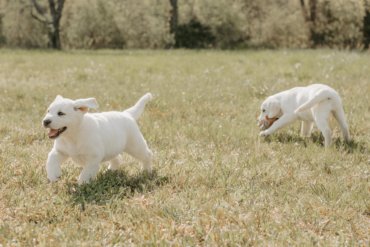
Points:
x=215 y=181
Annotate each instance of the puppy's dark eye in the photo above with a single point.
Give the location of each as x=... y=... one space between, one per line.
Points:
x=263 y=110
x=61 y=113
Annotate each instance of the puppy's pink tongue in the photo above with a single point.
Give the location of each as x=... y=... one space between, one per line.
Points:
x=52 y=133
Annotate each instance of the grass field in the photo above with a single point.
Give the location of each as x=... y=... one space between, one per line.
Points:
x=216 y=183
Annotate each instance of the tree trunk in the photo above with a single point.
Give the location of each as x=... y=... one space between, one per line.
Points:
x=173 y=16
x=366 y=29
x=52 y=22
x=54 y=40
x=56 y=15
x=310 y=19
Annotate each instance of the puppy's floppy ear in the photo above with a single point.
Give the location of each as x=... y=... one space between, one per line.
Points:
x=274 y=108
x=59 y=97
x=85 y=104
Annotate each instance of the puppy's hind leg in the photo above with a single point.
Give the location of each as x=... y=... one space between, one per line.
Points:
x=114 y=163
x=306 y=128
x=140 y=150
x=322 y=122
x=145 y=155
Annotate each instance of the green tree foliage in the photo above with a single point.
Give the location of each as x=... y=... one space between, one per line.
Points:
x=94 y=24
x=90 y=24
x=340 y=23
x=276 y=23
x=227 y=21
x=144 y=23
x=20 y=29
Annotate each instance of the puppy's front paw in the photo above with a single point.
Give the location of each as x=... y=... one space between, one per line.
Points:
x=53 y=171
x=264 y=133
x=53 y=179
x=82 y=181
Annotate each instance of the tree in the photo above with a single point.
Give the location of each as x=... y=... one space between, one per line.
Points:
x=51 y=19
x=366 y=28
x=173 y=16
x=1 y=25
x=310 y=18
x=174 y=13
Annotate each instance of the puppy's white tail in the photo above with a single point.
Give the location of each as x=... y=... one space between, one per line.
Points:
x=136 y=110
x=320 y=96
x=341 y=118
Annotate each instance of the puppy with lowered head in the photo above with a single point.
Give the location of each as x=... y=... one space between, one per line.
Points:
x=92 y=138
x=311 y=104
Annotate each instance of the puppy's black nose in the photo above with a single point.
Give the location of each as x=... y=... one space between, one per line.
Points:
x=47 y=122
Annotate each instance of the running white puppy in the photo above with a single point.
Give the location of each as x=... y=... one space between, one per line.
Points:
x=311 y=104
x=92 y=138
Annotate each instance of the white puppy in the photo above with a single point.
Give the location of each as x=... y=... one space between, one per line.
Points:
x=92 y=138
x=311 y=104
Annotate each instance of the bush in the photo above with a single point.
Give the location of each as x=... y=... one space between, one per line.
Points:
x=277 y=24
x=193 y=35
x=90 y=24
x=17 y=24
x=245 y=23
x=144 y=23
x=340 y=23
x=226 y=20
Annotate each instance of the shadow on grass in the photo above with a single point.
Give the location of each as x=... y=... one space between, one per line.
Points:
x=289 y=138
x=318 y=139
x=113 y=184
x=351 y=146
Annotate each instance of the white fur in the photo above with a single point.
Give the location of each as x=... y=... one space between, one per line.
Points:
x=92 y=138
x=311 y=104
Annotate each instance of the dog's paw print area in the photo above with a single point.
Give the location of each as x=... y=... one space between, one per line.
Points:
x=114 y=184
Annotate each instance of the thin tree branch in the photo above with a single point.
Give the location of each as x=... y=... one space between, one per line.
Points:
x=60 y=8
x=304 y=11
x=40 y=10
x=313 y=7
x=52 y=8
x=36 y=17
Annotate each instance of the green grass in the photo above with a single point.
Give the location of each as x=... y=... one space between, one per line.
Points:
x=215 y=181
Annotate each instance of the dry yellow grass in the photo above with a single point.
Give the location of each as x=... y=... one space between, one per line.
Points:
x=215 y=181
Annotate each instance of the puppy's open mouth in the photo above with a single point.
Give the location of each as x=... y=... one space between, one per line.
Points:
x=54 y=133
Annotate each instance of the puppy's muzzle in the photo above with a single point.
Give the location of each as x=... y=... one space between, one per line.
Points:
x=266 y=123
x=46 y=122
x=53 y=133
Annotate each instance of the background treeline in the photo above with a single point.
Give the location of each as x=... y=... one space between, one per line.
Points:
x=94 y=24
